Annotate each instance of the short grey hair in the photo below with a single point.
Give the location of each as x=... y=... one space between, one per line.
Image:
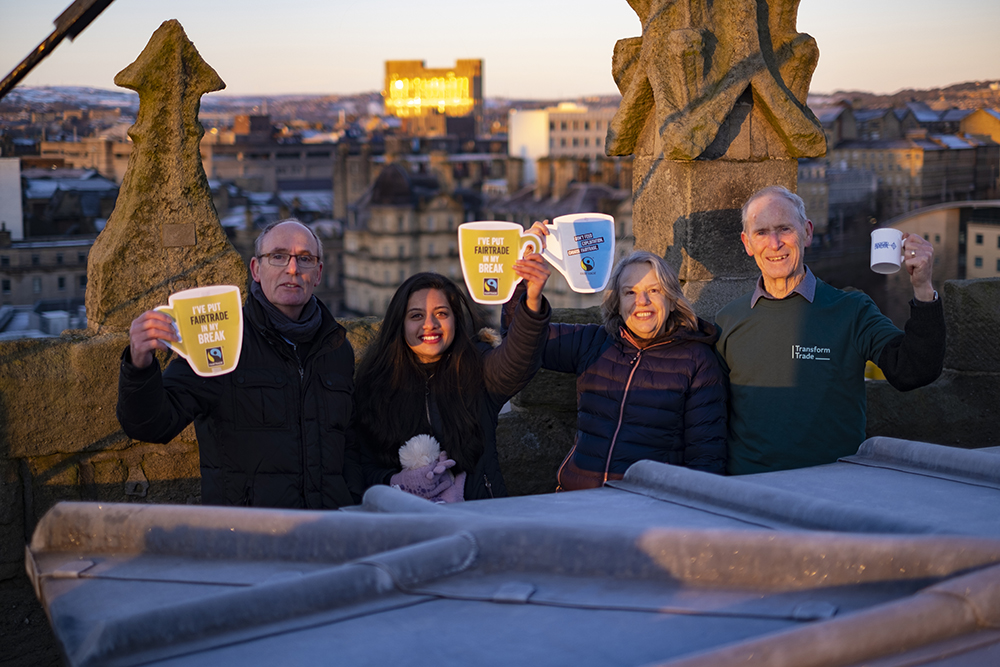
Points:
x=780 y=191
x=258 y=244
x=682 y=314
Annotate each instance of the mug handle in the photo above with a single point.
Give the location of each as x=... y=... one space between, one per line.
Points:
x=554 y=258
x=178 y=345
x=526 y=240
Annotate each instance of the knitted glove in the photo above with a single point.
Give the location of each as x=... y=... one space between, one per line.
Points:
x=454 y=493
x=427 y=481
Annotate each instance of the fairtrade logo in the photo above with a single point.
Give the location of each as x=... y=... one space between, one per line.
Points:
x=587 y=263
x=491 y=287
x=214 y=356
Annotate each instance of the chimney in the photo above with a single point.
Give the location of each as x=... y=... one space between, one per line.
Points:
x=625 y=174
x=441 y=168
x=515 y=174
x=340 y=182
x=543 y=185
x=607 y=171
x=565 y=171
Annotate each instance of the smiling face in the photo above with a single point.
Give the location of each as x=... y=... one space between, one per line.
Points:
x=644 y=305
x=290 y=287
x=429 y=324
x=776 y=238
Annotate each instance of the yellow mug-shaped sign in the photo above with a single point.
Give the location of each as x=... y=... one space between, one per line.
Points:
x=209 y=322
x=488 y=250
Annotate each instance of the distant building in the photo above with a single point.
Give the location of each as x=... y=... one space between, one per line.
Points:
x=264 y=165
x=46 y=268
x=405 y=223
x=61 y=202
x=567 y=130
x=966 y=240
x=11 y=212
x=106 y=156
x=814 y=190
x=413 y=90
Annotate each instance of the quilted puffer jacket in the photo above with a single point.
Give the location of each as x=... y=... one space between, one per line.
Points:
x=665 y=402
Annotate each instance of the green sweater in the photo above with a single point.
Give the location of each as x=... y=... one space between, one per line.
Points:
x=797 y=376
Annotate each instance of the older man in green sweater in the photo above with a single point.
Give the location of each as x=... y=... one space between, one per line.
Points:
x=796 y=348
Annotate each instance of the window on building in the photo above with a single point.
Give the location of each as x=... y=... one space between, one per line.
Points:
x=6 y=286
x=937 y=238
x=400 y=221
x=562 y=142
x=451 y=222
x=59 y=258
x=586 y=141
x=4 y=260
x=430 y=223
x=998 y=266
x=586 y=124
x=402 y=250
x=979 y=239
x=978 y=262
x=36 y=285
x=35 y=260
x=552 y=125
x=576 y=142
x=83 y=282
x=597 y=142
x=62 y=284
x=562 y=125
x=430 y=249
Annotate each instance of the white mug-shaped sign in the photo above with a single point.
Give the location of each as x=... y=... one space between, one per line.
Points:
x=581 y=246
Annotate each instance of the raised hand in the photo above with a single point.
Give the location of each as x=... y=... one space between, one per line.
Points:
x=147 y=334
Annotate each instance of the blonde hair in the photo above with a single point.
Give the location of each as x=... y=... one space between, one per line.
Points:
x=681 y=315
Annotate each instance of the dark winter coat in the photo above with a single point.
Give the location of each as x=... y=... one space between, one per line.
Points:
x=272 y=433
x=666 y=402
x=507 y=368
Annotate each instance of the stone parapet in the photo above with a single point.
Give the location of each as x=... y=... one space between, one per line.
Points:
x=960 y=408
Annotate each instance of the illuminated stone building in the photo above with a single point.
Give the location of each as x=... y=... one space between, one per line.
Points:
x=413 y=90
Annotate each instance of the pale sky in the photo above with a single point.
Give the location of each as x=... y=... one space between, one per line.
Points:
x=543 y=49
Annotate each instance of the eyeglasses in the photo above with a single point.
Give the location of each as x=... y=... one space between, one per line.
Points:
x=282 y=259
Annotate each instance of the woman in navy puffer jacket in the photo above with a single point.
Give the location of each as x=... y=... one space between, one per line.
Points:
x=648 y=382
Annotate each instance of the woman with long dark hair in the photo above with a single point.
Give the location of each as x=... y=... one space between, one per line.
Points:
x=431 y=370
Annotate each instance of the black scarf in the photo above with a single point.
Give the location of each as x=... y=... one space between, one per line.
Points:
x=302 y=330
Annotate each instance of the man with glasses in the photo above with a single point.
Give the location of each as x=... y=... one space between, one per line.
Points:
x=275 y=431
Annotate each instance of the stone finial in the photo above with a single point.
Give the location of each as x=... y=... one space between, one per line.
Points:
x=164 y=234
x=704 y=72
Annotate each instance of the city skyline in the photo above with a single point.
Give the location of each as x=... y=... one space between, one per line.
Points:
x=531 y=50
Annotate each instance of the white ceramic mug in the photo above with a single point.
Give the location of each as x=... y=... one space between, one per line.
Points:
x=887 y=250
x=581 y=246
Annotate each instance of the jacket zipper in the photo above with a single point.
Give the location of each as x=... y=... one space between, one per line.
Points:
x=302 y=425
x=621 y=415
x=621 y=410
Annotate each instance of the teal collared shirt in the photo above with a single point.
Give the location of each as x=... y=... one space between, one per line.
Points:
x=807 y=288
